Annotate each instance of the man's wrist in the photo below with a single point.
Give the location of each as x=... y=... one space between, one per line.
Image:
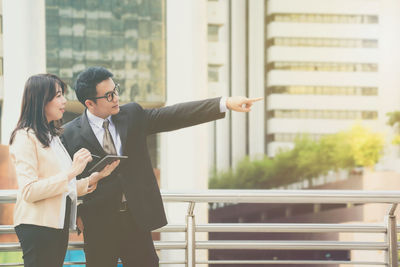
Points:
x=223 y=104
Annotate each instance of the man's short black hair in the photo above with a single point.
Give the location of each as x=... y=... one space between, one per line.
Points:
x=85 y=85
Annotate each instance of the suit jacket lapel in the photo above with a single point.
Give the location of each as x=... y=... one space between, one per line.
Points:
x=121 y=125
x=87 y=134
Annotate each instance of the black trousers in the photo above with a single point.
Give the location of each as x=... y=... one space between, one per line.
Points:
x=114 y=234
x=44 y=246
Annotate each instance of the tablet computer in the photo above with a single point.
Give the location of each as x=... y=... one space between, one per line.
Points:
x=105 y=161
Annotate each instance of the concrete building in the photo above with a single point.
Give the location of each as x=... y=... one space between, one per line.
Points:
x=328 y=65
x=236 y=67
x=322 y=68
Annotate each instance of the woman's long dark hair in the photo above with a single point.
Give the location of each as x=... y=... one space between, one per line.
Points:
x=39 y=90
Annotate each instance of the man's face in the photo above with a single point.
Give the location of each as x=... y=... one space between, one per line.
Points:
x=103 y=108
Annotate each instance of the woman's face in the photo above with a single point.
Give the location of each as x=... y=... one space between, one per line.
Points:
x=55 y=109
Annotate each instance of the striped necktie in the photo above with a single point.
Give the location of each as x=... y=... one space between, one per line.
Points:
x=108 y=144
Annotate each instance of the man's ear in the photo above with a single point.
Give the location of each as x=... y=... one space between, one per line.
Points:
x=89 y=103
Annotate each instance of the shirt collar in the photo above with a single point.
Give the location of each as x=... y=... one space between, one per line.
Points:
x=93 y=119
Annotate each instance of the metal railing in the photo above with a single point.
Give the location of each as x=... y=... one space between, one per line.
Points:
x=388 y=226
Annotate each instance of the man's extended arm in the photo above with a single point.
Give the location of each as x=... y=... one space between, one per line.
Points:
x=192 y=113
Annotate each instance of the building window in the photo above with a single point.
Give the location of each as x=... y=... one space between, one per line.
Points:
x=370 y=91
x=213 y=33
x=322 y=66
x=322 y=42
x=322 y=114
x=322 y=90
x=369 y=115
x=213 y=73
x=291 y=137
x=323 y=18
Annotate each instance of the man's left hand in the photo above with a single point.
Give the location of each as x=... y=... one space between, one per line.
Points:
x=241 y=103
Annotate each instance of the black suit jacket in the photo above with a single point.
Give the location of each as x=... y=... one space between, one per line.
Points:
x=134 y=176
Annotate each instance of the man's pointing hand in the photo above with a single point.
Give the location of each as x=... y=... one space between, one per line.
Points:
x=241 y=103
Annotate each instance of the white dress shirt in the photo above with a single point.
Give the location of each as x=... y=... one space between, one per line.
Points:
x=96 y=123
x=222 y=104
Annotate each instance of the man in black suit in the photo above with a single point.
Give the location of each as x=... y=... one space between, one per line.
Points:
x=118 y=217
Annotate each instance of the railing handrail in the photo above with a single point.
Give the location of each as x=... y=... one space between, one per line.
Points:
x=244 y=244
x=265 y=196
x=388 y=228
x=8 y=196
x=265 y=227
x=283 y=196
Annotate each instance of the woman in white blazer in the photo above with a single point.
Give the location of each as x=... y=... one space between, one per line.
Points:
x=48 y=191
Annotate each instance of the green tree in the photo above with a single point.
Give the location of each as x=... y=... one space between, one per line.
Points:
x=394 y=121
x=366 y=146
x=336 y=152
x=308 y=159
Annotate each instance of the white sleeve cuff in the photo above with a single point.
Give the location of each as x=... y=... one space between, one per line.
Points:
x=222 y=104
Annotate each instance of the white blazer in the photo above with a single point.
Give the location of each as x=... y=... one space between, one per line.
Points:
x=42 y=182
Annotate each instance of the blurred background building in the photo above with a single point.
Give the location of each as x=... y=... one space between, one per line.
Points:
x=321 y=65
x=326 y=65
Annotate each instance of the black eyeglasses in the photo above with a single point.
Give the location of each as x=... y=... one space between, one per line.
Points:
x=109 y=96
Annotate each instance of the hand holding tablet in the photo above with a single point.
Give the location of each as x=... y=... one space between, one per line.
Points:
x=105 y=161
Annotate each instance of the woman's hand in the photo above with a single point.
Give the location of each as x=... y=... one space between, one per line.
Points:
x=91 y=187
x=81 y=159
x=97 y=176
x=79 y=223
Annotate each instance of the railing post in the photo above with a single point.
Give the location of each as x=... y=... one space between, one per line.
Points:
x=392 y=255
x=190 y=237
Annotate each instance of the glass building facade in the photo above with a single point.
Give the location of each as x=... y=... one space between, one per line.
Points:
x=127 y=37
